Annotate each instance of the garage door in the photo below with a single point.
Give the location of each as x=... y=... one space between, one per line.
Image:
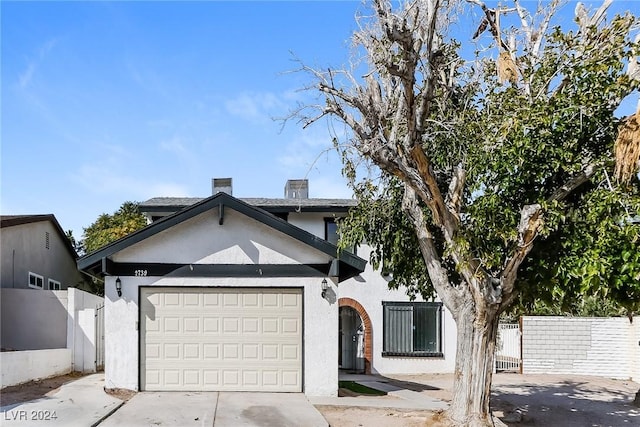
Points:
x=208 y=339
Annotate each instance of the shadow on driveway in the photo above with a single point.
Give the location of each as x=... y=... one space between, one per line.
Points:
x=567 y=402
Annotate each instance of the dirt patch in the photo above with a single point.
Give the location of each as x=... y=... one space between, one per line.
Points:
x=35 y=389
x=120 y=393
x=345 y=416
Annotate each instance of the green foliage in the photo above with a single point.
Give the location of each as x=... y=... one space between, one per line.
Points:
x=77 y=244
x=593 y=256
x=380 y=222
x=534 y=144
x=109 y=228
x=580 y=306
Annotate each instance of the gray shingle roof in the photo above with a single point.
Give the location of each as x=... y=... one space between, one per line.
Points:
x=163 y=204
x=13 y=220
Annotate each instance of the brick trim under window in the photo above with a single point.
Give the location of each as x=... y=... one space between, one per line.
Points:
x=36 y=281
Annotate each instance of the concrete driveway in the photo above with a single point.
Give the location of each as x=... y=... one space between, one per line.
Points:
x=219 y=409
x=83 y=402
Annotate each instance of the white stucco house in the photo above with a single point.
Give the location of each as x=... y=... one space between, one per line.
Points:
x=236 y=294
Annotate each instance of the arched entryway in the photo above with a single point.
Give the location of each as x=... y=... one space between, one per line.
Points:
x=355 y=343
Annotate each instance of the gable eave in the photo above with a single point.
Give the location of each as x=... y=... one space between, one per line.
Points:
x=93 y=262
x=7 y=221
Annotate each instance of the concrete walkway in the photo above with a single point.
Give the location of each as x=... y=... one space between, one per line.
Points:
x=397 y=397
x=80 y=403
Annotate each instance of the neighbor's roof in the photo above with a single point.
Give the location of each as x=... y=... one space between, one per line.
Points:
x=13 y=220
x=172 y=204
x=352 y=263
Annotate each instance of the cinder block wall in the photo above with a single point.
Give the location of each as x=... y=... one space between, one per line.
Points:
x=581 y=346
x=33 y=319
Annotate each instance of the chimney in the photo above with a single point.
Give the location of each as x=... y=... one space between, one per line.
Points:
x=296 y=189
x=221 y=185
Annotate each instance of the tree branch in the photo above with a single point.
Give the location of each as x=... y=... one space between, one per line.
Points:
x=492 y=18
x=575 y=182
x=456 y=187
x=437 y=273
x=531 y=219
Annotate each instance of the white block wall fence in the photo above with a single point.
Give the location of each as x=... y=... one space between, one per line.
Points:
x=23 y=366
x=69 y=313
x=608 y=347
x=81 y=332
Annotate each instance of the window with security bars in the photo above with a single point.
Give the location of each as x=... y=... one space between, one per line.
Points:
x=412 y=329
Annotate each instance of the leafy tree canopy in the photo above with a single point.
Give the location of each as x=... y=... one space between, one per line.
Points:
x=109 y=228
x=518 y=144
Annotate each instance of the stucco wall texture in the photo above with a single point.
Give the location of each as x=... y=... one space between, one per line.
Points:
x=239 y=240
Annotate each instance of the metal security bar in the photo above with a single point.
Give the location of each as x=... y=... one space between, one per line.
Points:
x=412 y=329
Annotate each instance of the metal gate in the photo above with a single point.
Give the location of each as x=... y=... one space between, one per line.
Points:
x=509 y=348
x=99 y=337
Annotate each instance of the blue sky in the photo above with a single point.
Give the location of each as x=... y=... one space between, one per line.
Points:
x=108 y=102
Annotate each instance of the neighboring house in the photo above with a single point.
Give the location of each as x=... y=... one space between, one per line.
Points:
x=36 y=254
x=252 y=295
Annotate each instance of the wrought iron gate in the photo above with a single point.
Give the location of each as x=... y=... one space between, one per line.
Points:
x=509 y=348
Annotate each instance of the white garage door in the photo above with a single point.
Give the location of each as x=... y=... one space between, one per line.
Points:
x=208 y=339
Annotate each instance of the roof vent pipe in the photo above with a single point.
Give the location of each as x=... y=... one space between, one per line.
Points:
x=222 y=185
x=297 y=189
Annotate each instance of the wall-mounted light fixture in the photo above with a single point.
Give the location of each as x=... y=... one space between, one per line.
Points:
x=119 y=286
x=325 y=286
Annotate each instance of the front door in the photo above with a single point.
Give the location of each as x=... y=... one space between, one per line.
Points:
x=351 y=344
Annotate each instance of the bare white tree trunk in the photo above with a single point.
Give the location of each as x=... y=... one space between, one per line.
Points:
x=474 y=368
x=475 y=306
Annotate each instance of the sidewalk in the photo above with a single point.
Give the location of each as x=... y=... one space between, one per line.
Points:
x=80 y=403
x=397 y=397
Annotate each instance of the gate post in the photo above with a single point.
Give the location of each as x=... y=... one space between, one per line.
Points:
x=521 y=335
